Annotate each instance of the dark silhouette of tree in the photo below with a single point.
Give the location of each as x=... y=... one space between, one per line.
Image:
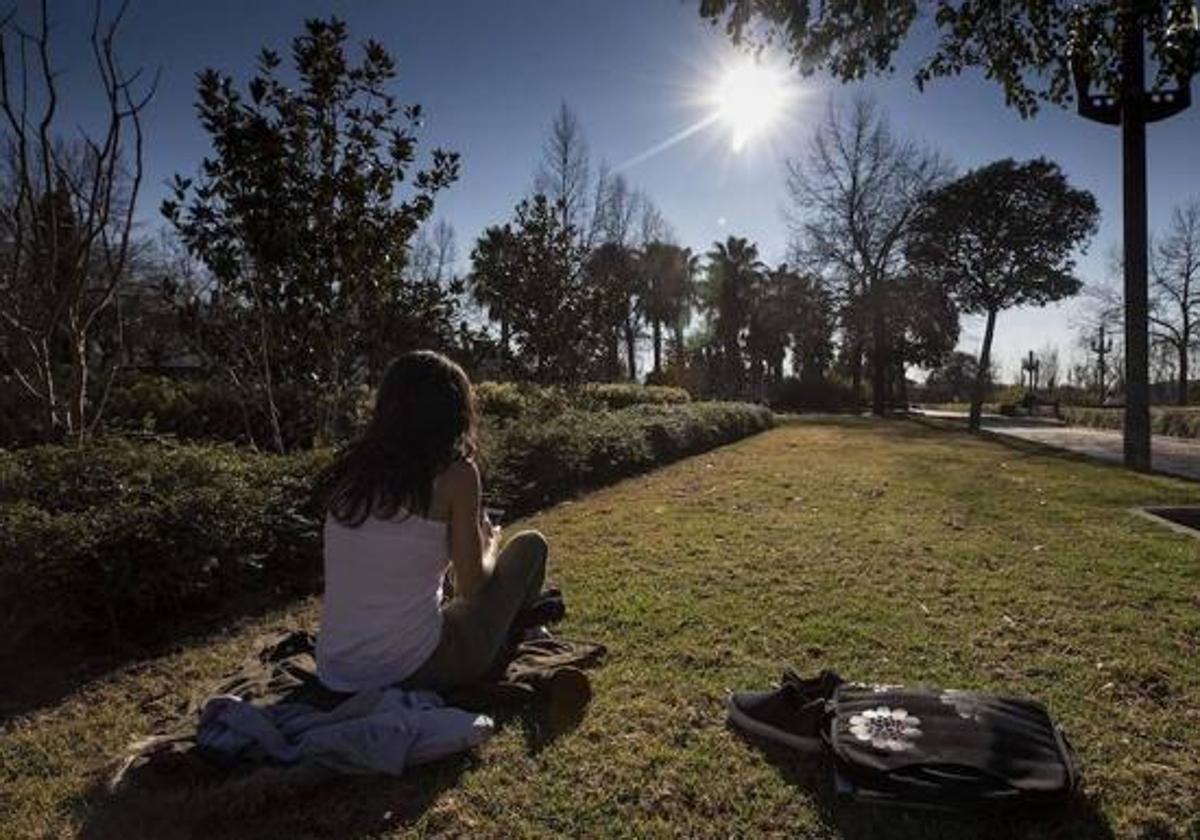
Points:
x=494 y=283
x=1175 y=277
x=733 y=273
x=615 y=287
x=854 y=197
x=770 y=327
x=298 y=216
x=669 y=272
x=811 y=320
x=954 y=379
x=925 y=327
x=551 y=325
x=66 y=222
x=1002 y=236
x=1025 y=46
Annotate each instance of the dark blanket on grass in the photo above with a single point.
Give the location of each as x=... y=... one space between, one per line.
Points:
x=283 y=670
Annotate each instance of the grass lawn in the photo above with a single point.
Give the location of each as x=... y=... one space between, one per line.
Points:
x=891 y=551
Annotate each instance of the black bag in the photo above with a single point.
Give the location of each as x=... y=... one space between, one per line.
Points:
x=946 y=748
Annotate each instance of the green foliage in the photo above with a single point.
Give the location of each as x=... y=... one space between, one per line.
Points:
x=122 y=537
x=1026 y=47
x=536 y=464
x=212 y=409
x=529 y=275
x=822 y=395
x=1003 y=235
x=299 y=219
x=625 y=394
x=128 y=538
x=504 y=401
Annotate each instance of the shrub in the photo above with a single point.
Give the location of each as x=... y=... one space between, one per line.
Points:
x=824 y=395
x=625 y=394
x=122 y=536
x=126 y=538
x=212 y=409
x=534 y=464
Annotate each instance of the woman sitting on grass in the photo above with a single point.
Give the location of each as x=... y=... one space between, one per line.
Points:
x=403 y=505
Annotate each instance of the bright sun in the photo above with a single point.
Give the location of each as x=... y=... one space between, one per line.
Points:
x=749 y=98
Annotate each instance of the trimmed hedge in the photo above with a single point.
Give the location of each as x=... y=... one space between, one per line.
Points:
x=536 y=464
x=1180 y=421
x=625 y=394
x=128 y=538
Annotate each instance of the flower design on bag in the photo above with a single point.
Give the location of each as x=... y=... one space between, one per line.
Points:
x=877 y=688
x=964 y=703
x=886 y=729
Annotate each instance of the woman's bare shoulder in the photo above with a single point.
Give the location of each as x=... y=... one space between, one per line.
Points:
x=460 y=477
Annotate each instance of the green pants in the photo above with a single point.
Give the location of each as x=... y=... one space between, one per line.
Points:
x=475 y=628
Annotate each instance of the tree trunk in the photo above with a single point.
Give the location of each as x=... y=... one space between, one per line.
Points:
x=1183 y=364
x=76 y=419
x=856 y=371
x=981 y=376
x=656 y=326
x=631 y=351
x=879 y=361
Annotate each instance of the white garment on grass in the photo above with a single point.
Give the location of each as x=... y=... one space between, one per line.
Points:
x=380 y=731
x=381 y=613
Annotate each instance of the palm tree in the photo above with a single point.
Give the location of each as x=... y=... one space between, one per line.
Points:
x=493 y=280
x=614 y=275
x=668 y=270
x=733 y=272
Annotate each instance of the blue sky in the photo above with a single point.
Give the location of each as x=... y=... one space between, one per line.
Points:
x=491 y=74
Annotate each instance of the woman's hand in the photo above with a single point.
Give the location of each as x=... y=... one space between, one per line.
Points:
x=490 y=537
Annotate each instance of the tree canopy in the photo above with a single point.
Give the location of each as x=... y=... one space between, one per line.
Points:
x=1003 y=235
x=299 y=219
x=1026 y=47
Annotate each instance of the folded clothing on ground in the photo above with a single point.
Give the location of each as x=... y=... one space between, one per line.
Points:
x=274 y=707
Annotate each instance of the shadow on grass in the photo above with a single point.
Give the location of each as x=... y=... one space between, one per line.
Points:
x=53 y=667
x=858 y=821
x=179 y=794
x=184 y=798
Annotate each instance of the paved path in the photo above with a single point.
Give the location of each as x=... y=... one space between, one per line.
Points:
x=1169 y=455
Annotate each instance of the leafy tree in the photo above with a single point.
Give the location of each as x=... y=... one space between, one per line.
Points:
x=732 y=277
x=925 y=327
x=1175 y=273
x=669 y=271
x=297 y=216
x=615 y=287
x=954 y=379
x=1025 y=46
x=551 y=328
x=811 y=320
x=1002 y=236
x=494 y=283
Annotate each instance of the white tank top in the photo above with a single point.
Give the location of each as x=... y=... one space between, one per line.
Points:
x=381 y=614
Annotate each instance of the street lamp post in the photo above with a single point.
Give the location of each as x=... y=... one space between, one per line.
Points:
x=1132 y=109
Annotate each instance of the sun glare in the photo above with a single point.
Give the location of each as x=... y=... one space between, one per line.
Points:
x=750 y=97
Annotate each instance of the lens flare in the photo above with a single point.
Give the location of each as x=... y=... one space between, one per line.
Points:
x=749 y=98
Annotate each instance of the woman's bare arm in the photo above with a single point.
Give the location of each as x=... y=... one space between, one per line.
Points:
x=472 y=541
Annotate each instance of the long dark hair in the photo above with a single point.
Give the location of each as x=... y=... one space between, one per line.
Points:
x=424 y=420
